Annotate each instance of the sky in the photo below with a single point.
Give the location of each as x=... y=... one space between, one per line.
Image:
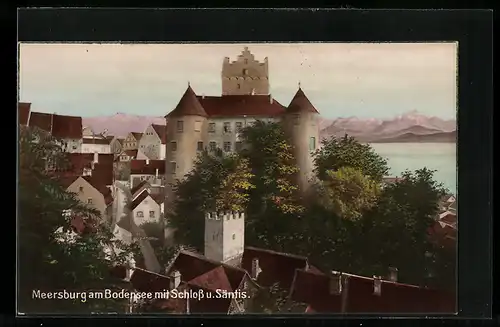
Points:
x=367 y=80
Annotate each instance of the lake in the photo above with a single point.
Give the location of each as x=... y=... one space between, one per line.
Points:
x=441 y=157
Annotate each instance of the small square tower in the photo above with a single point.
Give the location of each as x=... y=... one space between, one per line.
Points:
x=224 y=236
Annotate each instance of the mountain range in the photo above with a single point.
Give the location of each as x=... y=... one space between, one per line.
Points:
x=409 y=127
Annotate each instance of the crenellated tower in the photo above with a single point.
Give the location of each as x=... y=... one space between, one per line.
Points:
x=245 y=75
x=225 y=236
x=301 y=126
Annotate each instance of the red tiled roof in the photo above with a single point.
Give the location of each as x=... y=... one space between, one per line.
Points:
x=41 y=120
x=23 y=109
x=101 y=187
x=103 y=173
x=142 y=167
x=314 y=289
x=300 y=103
x=67 y=127
x=191 y=265
x=146 y=281
x=275 y=266
x=77 y=162
x=158 y=197
x=188 y=106
x=96 y=140
x=448 y=217
x=241 y=105
x=161 y=130
x=215 y=279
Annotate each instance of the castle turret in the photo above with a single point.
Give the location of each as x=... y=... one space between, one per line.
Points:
x=185 y=133
x=244 y=75
x=301 y=126
x=225 y=236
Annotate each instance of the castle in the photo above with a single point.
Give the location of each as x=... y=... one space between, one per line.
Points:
x=200 y=122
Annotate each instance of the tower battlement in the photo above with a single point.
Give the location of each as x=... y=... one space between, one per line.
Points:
x=224 y=215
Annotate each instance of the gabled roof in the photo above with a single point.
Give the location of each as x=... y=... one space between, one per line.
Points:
x=241 y=105
x=136 y=135
x=161 y=130
x=23 y=109
x=147 y=167
x=97 y=183
x=313 y=288
x=188 y=106
x=300 y=103
x=96 y=140
x=138 y=187
x=67 y=127
x=139 y=199
x=130 y=153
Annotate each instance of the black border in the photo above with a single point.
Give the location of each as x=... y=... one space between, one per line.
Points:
x=471 y=28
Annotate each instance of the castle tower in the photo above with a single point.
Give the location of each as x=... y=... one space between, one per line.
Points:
x=301 y=127
x=186 y=131
x=245 y=75
x=225 y=236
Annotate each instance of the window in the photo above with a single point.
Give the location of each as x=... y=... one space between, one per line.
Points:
x=212 y=146
x=151 y=214
x=312 y=143
x=227 y=127
x=173 y=146
x=197 y=126
x=227 y=146
x=199 y=147
x=238 y=146
x=234 y=236
x=239 y=126
x=211 y=127
x=245 y=71
x=139 y=214
x=180 y=126
x=296 y=119
x=142 y=145
x=74 y=147
x=80 y=189
x=89 y=201
x=173 y=167
x=246 y=61
x=238 y=86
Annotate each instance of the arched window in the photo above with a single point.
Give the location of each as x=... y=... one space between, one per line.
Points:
x=245 y=71
x=238 y=86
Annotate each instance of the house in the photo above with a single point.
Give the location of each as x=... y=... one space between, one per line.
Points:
x=23 y=113
x=127 y=155
x=99 y=166
x=116 y=145
x=131 y=142
x=137 y=189
x=95 y=142
x=68 y=129
x=146 y=208
x=153 y=142
x=152 y=171
x=339 y=292
x=92 y=192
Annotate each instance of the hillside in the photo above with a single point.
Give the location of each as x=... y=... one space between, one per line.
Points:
x=442 y=137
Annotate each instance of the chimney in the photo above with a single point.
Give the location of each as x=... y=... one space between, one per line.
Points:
x=393 y=274
x=130 y=269
x=377 y=285
x=96 y=157
x=253 y=92
x=203 y=96
x=147 y=161
x=270 y=99
x=255 y=268
x=175 y=279
x=335 y=285
x=156 y=173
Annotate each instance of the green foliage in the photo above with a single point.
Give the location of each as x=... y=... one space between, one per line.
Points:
x=155 y=233
x=218 y=182
x=49 y=259
x=337 y=153
x=347 y=192
x=274 y=299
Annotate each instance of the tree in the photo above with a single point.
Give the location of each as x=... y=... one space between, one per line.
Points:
x=218 y=182
x=274 y=299
x=337 y=153
x=395 y=232
x=155 y=232
x=51 y=258
x=347 y=192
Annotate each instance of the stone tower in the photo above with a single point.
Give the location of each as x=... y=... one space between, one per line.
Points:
x=186 y=131
x=245 y=75
x=225 y=236
x=301 y=127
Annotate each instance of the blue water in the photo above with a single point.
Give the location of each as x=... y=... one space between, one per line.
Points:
x=441 y=157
